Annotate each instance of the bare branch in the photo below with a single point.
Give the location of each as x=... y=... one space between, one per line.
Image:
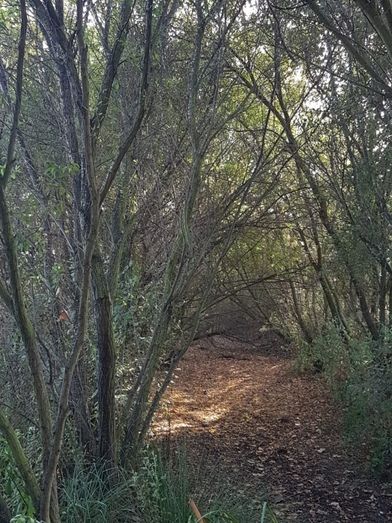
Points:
x=124 y=148
x=18 y=95
x=112 y=65
x=361 y=57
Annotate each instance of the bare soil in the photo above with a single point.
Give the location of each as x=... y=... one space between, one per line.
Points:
x=243 y=408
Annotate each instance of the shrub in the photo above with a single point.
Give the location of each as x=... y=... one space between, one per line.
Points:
x=359 y=373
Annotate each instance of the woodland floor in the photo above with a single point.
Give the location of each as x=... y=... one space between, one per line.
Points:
x=242 y=409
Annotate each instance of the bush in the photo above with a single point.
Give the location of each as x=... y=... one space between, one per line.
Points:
x=359 y=373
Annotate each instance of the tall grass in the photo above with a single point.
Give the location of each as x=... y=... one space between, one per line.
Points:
x=159 y=492
x=98 y=495
x=166 y=484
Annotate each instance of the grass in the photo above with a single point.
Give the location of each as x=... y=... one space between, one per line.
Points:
x=159 y=492
x=165 y=485
x=98 y=495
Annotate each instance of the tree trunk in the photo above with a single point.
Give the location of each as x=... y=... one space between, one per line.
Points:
x=20 y=459
x=80 y=410
x=383 y=296
x=301 y=322
x=5 y=514
x=106 y=363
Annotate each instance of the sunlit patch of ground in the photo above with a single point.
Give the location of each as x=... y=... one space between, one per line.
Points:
x=266 y=426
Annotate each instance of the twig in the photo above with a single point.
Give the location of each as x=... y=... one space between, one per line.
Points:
x=196 y=512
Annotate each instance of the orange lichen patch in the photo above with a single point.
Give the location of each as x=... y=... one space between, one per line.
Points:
x=63 y=316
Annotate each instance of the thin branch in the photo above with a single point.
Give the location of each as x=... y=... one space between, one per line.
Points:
x=124 y=147
x=6 y=297
x=112 y=65
x=18 y=95
x=20 y=458
x=361 y=58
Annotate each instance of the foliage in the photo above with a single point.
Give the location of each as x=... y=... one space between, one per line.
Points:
x=161 y=162
x=165 y=485
x=12 y=486
x=163 y=492
x=97 y=494
x=158 y=492
x=359 y=372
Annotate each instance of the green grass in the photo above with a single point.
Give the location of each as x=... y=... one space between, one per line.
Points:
x=165 y=485
x=96 y=495
x=159 y=492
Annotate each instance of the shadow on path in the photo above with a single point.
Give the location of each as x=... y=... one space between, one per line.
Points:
x=266 y=426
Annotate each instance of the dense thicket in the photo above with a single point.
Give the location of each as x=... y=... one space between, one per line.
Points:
x=166 y=167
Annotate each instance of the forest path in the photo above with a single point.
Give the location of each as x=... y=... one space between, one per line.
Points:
x=250 y=415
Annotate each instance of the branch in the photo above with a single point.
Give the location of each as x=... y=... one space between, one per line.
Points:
x=376 y=19
x=123 y=149
x=18 y=95
x=18 y=299
x=348 y=44
x=6 y=297
x=82 y=318
x=112 y=65
x=387 y=5
x=57 y=41
x=20 y=458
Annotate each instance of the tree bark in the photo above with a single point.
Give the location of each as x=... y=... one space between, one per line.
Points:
x=5 y=514
x=106 y=368
x=21 y=461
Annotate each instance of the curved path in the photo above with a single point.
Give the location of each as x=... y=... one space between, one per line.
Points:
x=266 y=426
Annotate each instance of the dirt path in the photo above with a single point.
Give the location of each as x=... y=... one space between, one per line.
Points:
x=266 y=426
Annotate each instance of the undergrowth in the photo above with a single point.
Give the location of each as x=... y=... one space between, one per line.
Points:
x=159 y=492
x=359 y=373
x=12 y=487
x=165 y=485
x=97 y=495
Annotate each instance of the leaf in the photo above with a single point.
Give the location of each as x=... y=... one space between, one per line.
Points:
x=63 y=316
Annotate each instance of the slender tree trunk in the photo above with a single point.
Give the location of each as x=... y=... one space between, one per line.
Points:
x=5 y=514
x=26 y=327
x=106 y=363
x=82 y=317
x=80 y=409
x=301 y=322
x=383 y=296
x=390 y=302
x=20 y=459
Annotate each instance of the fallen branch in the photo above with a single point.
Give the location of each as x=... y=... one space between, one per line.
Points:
x=196 y=512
